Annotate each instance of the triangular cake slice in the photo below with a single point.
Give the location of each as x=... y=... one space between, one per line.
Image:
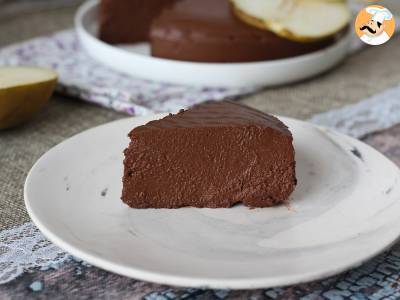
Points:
x=213 y=155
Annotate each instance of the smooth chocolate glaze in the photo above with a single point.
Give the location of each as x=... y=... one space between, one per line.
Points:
x=213 y=155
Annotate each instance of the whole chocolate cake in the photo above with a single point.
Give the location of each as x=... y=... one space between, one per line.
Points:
x=128 y=21
x=213 y=155
x=208 y=31
x=195 y=30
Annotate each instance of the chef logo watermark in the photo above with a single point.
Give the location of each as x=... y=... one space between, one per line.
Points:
x=375 y=25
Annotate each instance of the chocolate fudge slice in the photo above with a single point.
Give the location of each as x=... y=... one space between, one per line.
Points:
x=212 y=155
x=208 y=31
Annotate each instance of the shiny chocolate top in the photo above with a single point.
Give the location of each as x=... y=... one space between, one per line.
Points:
x=217 y=114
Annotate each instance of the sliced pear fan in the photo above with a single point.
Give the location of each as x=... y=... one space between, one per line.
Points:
x=299 y=20
x=23 y=92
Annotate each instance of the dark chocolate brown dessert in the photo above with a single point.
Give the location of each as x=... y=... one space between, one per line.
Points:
x=128 y=21
x=195 y=30
x=208 y=31
x=213 y=155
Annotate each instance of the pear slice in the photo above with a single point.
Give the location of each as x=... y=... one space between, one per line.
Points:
x=23 y=92
x=298 y=20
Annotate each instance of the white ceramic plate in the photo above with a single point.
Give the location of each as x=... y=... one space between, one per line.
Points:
x=135 y=60
x=344 y=210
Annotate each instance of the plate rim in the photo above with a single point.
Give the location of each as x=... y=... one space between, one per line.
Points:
x=184 y=281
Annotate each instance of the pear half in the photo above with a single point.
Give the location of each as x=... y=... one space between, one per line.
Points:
x=23 y=92
x=298 y=20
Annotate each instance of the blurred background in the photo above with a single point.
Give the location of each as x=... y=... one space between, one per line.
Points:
x=20 y=19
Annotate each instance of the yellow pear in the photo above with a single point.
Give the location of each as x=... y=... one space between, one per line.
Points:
x=298 y=20
x=23 y=92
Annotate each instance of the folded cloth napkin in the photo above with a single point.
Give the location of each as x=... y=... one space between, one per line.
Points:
x=83 y=77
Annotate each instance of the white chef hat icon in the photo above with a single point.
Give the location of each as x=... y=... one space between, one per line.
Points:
x=379 y=14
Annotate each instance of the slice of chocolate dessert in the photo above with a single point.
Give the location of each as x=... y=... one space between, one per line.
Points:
x=212 y=155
